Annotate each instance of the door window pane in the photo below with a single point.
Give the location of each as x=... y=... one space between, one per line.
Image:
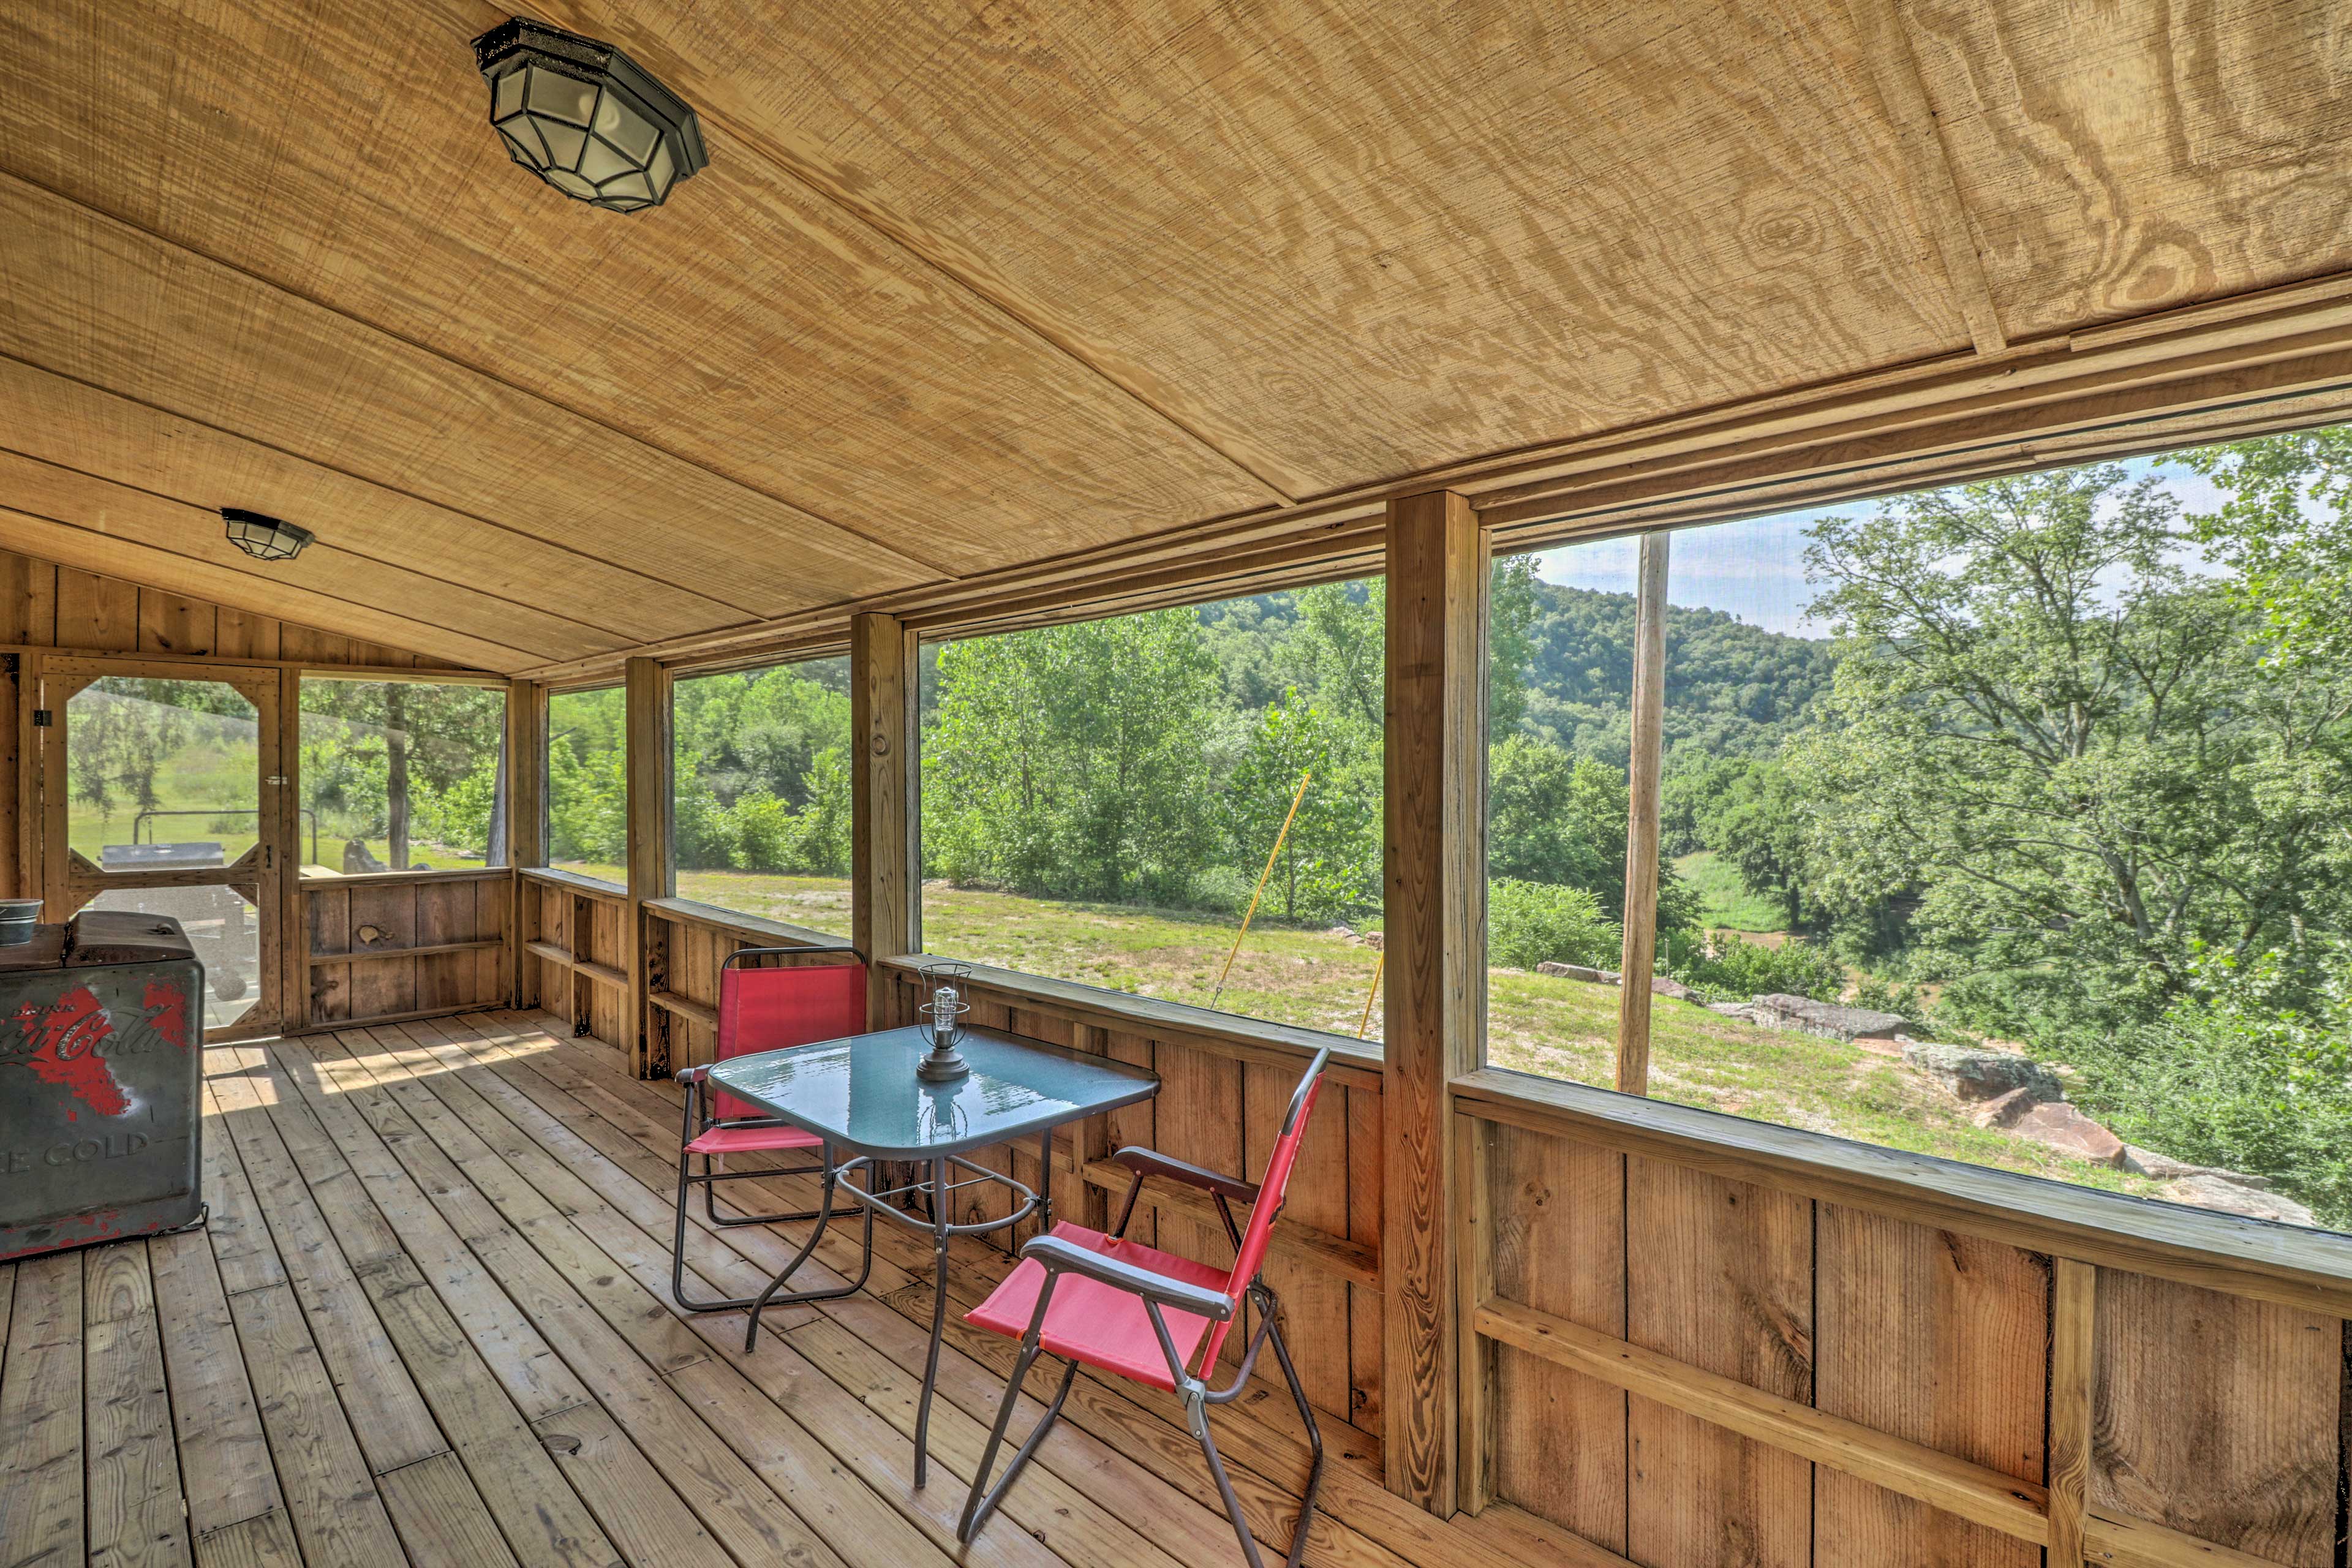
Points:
x=162 y=774
x=226 y=931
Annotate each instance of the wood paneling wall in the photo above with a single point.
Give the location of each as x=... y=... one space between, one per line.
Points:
x=46 y=605
x=1687 y=1368
x=398 y=946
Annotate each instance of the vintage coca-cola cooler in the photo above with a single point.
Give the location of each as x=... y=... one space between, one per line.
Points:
x=102 y=1073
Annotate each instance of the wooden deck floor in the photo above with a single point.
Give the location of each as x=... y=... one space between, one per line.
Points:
x=429 y=1322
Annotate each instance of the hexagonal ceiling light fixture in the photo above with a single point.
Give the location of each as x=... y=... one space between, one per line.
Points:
x=263 y=537
x=585 y=118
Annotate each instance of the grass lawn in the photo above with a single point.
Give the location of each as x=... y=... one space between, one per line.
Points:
x=1560 y=1028
x=1725 y=902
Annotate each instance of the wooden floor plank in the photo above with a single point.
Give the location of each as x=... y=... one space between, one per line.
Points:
x=527 y=1367
x=831 y=1414
x=41 y=1415
x=1154 y=1524
x=331 y=1498
x=638 y=1510
x=265 y=1541
x=738 y=1508
x=441 y=1519
x=544 y=1522
x=136 y=1518
x=389 y=1417
x=1156 y=1436
x=223 y=1457
x=455 y=1235
x=825 y=1485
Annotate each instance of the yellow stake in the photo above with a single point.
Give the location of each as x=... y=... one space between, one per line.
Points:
x=1366 y=1021
x=1262 y=875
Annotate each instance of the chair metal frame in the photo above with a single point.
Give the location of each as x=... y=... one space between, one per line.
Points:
x=1059 y=1257
x=698 y=1119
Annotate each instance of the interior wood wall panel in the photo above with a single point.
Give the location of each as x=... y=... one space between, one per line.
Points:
x=1723 y=1281
x=43 y=605
x=1941 y=1339
x=2218 y=1417
x=384 y=917
x=349 y=590
x=2120 y=159
x=1559 y=1242
x=2215 y=1417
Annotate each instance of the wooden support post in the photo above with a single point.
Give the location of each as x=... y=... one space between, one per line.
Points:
x=2073 y=1301
x=885 y=867
x=653 y=860
x=1640 y=948
x=281 y=827
x=526 y=809
x=1435 y=922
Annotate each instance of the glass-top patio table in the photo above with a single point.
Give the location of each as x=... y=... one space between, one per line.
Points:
x=861 y=1094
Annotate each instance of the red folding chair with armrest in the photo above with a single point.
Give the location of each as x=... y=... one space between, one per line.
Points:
x=1116 y=1305
x=761 y=1008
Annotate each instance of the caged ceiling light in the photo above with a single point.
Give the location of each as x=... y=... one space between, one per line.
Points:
x=263 y=537
x=585 y=118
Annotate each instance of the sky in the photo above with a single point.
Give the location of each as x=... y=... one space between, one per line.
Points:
x=1755 y=569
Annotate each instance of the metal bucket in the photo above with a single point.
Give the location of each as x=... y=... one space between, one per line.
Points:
x=18 y=917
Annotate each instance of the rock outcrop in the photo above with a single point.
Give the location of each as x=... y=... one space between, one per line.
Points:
x=1979 y=1072
x=1830 y=1020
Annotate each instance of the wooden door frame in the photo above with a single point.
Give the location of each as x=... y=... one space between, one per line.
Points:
x=265 y=875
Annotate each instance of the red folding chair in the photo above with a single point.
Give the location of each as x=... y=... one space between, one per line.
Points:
x=762 y=1008
x=1122 y=1307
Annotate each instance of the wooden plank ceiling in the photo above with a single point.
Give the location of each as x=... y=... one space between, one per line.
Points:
x=971 y=287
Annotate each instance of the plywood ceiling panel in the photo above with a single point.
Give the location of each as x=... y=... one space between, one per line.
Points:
x=972 y=290
x=2118 y=158
x=749 y=327
x=1378 y=236
x=119 y=512
x=485 y=570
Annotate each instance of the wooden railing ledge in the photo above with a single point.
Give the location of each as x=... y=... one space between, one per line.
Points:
x=779 y=933
x=1356 y=1064
x=594 y=886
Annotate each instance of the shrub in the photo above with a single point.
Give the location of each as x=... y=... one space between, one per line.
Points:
x=1735 y=970
x=2241 y=1078
x=1529 y=923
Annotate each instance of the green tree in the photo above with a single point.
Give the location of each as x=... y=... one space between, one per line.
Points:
x=2286 y=529
x=2042 y=716
x=1073 y=761
x=1330 y=867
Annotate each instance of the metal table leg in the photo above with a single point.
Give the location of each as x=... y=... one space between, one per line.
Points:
x=808 y=1249
x=939 y=1198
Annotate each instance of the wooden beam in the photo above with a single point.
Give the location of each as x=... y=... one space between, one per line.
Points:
x=2071 y=1306
x=653 y=856
x=1434 y=921
x=885 y=867
x=1641 y=948
x=1934 y=186
x=1969 y=1491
